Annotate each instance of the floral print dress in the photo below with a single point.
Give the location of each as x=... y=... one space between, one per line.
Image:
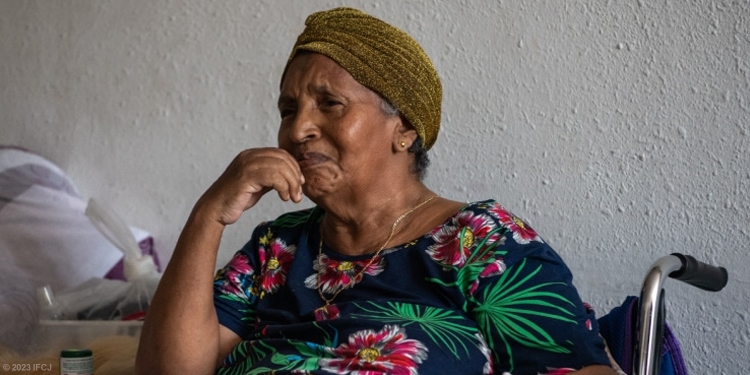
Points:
x=480 y=294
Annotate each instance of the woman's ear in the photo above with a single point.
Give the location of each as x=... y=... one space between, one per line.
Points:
x=404 y=136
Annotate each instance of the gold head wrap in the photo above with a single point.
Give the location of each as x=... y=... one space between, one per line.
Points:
x=382 y=58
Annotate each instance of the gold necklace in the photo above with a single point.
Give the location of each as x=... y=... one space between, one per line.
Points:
x=323 y=311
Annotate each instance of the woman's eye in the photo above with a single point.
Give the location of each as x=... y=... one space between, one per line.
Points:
x=285 y=112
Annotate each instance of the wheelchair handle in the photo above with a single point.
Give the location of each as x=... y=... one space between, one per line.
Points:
x=651 y=310
x=699 y=274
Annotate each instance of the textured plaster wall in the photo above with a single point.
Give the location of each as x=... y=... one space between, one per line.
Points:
x=619 y=129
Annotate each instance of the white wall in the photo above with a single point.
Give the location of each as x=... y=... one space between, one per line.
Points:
x=618 y=129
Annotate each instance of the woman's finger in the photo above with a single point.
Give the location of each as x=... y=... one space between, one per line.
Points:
x=253 y=173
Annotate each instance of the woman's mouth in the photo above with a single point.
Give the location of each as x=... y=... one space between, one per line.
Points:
x=310 y=159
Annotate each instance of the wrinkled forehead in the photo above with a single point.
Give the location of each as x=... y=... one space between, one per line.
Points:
x=318 y=69
x=310 y=63
x=319 y=75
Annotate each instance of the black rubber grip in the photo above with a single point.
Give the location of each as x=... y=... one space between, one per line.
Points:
x=700 y=275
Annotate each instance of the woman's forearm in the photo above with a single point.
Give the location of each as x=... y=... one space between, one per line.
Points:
x=181 y=334
x=181 y=331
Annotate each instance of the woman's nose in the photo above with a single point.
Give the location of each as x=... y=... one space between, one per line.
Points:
x=305 y=126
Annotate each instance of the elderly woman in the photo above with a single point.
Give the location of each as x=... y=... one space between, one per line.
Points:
x=382 y=276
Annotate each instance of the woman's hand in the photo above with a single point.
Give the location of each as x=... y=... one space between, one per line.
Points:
x=251 y=174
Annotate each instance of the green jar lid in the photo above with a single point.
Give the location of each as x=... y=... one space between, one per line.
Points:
x=75 y=353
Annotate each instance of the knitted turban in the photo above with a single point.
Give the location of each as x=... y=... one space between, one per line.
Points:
x=381 y=58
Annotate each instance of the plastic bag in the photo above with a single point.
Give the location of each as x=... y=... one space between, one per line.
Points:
x=107 y=299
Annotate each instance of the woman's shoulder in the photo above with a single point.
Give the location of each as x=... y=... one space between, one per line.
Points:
x=483 y=206
x=517 y=229
x=490 y=224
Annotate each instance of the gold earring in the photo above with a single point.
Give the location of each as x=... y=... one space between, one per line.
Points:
x=403 y=144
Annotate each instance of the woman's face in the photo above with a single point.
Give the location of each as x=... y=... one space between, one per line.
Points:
x=334 y=127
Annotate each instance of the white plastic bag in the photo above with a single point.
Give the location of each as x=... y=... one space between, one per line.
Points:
x=137 y=266
x=114 y=299
x=105 y=299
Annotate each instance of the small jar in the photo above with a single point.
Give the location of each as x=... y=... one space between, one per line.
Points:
x=76 y=362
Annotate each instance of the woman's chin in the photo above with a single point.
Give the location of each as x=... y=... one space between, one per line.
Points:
x=318 y=185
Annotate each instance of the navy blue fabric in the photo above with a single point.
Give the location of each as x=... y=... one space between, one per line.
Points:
x=482 y=293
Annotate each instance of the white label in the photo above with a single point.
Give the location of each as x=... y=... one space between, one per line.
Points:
x=77 y=366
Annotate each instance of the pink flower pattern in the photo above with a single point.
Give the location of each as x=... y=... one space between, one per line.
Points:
x=327 y=312
x=236 y=277
x=454 y=242
x=334 y=275
x=522 y=233
x=276 y=259
x=496 y=267
x=387 y=351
